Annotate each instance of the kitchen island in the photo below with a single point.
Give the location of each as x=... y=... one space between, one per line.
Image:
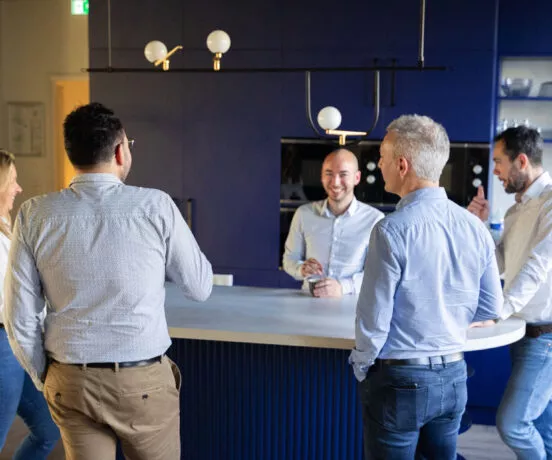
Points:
x=265 y=373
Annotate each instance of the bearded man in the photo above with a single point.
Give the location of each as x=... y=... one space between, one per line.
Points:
x=524 y=255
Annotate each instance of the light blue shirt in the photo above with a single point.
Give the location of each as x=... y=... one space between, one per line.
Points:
x=430 y=271
x=339 y=243
x=97 y=253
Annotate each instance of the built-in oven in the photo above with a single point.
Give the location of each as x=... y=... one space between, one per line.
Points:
x=466 y=169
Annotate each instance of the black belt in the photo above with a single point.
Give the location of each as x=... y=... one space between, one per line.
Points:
x=1 y=325
x=427 y=361
x=141 y=363
x=536 y=330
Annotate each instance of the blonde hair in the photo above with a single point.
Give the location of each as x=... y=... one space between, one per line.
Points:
x=7 y=160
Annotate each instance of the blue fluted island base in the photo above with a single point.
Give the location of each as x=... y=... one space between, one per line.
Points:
x=251 y=401
x=265 y=374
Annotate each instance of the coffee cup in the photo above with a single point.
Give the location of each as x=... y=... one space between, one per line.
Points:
x=313 y=280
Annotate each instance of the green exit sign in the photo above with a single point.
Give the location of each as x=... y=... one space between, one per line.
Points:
x=79 y=6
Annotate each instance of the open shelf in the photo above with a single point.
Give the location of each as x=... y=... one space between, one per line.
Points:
x=506 y=98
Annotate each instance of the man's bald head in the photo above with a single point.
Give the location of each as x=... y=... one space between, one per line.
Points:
x=340 y=174
x=342 y=156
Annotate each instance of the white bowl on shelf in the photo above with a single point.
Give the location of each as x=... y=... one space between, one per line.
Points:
x=516 y=87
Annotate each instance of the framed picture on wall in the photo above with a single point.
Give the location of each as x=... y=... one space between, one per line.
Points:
x=26 y=128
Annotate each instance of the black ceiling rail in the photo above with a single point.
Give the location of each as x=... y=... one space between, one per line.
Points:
x=413 y=68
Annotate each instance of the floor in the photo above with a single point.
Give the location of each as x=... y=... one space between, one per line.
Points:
x=479 y=443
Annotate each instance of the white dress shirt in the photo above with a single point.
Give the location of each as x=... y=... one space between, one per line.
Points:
x=339 y=243
x=524 y=255
x=98 y=253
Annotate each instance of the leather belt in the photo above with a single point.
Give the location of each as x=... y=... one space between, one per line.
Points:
x=427 y=361
x=2 y=326
x=141 y=363
x=536 y=330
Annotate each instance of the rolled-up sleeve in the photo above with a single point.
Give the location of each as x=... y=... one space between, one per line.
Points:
x=535 y=269
x=294 y=253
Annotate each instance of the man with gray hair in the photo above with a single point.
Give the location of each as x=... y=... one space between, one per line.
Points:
x=430 y=271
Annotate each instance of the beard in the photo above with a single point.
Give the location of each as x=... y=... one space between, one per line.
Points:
x=517 y=181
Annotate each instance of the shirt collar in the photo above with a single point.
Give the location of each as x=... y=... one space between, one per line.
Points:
x=95 y=178
x=537 y=187
x=426 y=193
x=325 y=210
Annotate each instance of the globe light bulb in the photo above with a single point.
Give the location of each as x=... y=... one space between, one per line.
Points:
x=329 y=118
x=155 y=50
x=218 y=41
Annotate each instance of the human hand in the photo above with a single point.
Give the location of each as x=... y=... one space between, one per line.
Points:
x=311 y=267
x=328 y=287
x=486 y=323
x=479 y=206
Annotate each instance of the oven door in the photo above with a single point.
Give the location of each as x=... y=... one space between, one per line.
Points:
x=466 y=169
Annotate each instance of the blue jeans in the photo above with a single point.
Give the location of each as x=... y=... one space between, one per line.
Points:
x=413 y=411
x=18 y=395
x=524 y=417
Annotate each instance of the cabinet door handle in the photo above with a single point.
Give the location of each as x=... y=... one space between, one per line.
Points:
x=189 y=213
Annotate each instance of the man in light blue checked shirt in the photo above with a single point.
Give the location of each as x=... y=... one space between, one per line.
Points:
x=329 y=238
x=98 y=254
x=430 y=271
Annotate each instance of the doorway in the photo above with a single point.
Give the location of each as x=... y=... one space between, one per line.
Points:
x=68 y=94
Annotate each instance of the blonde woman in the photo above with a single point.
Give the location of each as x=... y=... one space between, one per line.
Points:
x=18 y=395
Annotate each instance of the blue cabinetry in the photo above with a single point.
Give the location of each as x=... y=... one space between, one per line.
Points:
x=216 y=138
x=524 y=28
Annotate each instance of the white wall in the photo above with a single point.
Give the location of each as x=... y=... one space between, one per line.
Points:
x=39 y=40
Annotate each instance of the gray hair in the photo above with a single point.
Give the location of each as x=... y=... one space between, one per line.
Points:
x=423 y=142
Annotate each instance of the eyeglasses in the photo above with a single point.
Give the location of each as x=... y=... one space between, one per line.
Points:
x=131 y=143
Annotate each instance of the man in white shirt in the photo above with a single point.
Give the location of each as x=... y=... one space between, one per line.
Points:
x=524 y=254
x=330 y=238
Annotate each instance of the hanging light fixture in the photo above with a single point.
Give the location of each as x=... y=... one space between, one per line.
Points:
x=156 y=52
x=218 y=43
x=329 y=118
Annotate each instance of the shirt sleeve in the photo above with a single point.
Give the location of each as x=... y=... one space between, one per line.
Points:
x=186 y=265
x=24 y=304
x=376 y=301
x=294 y=253
x=490 y=291
x=535 y=269
x=352 y=284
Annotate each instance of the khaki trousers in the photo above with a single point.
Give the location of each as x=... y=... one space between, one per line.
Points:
x=94 y=406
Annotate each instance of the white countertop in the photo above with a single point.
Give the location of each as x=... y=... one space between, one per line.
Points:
x=290 y=317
